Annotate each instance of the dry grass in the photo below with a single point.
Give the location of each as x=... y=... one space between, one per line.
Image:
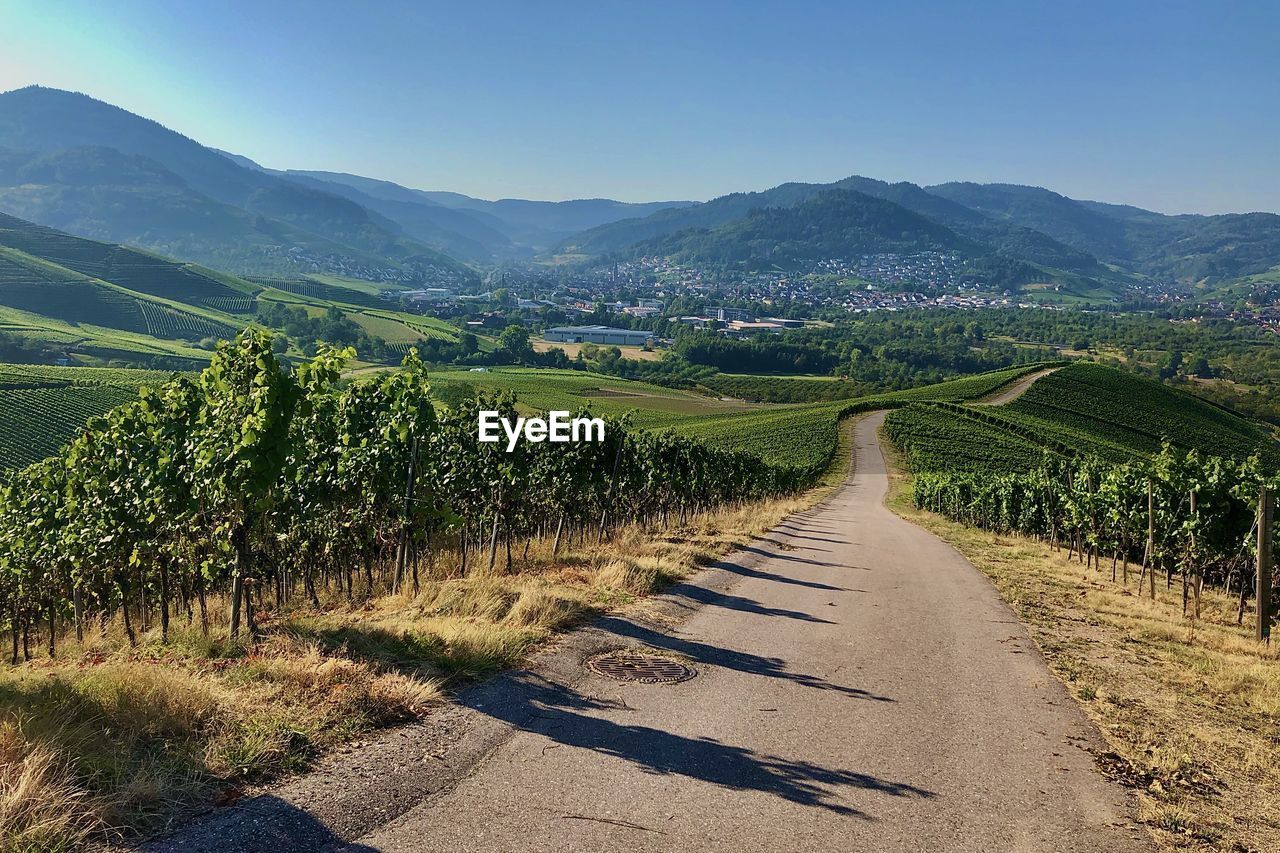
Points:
x=1190 y=709
x=126 y=739
x=109 y=739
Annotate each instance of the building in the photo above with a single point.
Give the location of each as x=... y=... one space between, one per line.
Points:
x=598 y=335
x=784 y=323
x=729 y=315
x=749 y=328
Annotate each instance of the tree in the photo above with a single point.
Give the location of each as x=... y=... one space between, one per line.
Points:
x=1200 y=366
x=514 y=342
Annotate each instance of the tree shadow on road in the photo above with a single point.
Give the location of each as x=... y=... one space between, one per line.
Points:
x=746 y=572
x=564 y=716
x=262 y=824
x=701 y=596
x=737 y=661
x=774 y=555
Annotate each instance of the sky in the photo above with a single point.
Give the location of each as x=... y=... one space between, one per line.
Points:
x=1169 y=105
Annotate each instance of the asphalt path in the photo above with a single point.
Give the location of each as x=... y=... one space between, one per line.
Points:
x=860 y=686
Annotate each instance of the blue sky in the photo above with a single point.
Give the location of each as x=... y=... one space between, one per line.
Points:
x=1170 y=105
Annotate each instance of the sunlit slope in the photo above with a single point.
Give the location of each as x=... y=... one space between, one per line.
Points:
x=1080 y=409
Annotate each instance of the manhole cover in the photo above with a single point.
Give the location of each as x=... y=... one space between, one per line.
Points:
x=638 y=666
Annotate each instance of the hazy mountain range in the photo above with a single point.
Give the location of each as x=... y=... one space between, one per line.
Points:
x=83 y=166
x=91 y=169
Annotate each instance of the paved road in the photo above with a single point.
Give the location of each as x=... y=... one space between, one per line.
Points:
x=860 y=687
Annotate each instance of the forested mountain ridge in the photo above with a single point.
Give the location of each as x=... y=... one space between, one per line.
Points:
x=1187 y=247
x=1019 y=225
x=528 y=223
x=835 y=223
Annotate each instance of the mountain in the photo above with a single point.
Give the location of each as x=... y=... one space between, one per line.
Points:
x=1190 y=248
x=70 y=159
x=834 y=223
x=533 y=224
x=1023 y=227
x=615 y=236
x=454 y=232
x=1009 y=239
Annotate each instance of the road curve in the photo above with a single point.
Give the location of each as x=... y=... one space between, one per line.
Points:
x=860 y=687
x=1014 y=389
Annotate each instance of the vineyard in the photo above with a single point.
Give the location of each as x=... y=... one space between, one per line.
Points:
x=1107 y=465
x=166 y=322
x=265 y=485
x=319 y=290
x=39 y=290
x=804 y=437
x=1081 y=409
x=128 y=268
x=294 y=479
x=42 y=407
x=231 y=304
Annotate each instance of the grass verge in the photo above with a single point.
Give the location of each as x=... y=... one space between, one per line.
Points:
x=1191 y=710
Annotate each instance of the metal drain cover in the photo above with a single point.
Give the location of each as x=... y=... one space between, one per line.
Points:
x=627 y=665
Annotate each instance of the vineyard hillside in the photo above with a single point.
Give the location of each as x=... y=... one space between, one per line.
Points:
x=99 y=302
x=1081 y=409
x=42 y=408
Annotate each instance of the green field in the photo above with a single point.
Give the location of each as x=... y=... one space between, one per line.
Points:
x=801 y=436
x=542 y=389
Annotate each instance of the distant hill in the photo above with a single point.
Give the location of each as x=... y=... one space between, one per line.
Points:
x=457 y=233
x=1008 y=239
x=737 y=230
x=1015 y=242
x=1098 y=245
x=616 y=236
x=532 y=224
x=1190 y=248
x=835 y=223
x=92 y=301
x=77 y=163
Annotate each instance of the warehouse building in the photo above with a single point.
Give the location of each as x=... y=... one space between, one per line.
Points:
x=598 y=335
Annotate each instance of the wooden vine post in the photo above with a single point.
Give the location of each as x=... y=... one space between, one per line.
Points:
x=1148 y=558
x=1263 y=592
